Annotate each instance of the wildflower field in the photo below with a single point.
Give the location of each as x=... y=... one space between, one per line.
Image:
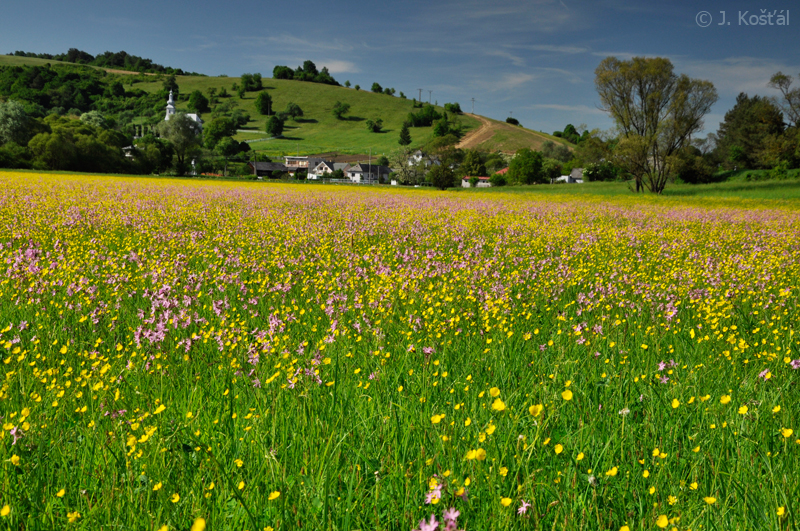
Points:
x=182 y=355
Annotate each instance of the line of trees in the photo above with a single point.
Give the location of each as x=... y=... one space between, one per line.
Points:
x=117 y=60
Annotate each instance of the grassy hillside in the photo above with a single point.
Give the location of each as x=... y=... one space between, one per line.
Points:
x=318 y=131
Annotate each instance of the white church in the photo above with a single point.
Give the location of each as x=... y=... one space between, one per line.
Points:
x=171 y=110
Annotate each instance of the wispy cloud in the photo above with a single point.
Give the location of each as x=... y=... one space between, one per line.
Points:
x=516 y=60
x=580 y=109
x=286 y=41
x=549 y=48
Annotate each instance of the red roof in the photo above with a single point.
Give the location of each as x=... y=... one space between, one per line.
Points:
x=502 y=172
x=467 y=178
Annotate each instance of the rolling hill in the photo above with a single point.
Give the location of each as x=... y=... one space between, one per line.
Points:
x=318 y=131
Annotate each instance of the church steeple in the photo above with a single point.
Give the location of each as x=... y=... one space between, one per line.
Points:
x=170 y=106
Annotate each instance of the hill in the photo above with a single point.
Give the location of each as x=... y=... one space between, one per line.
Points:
x=318 y=131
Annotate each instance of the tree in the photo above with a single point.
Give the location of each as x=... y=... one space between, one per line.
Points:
x=251 y=82
x=375 y=125
x=376 y=88
x=473 y=164
x=282 y=72
x=454 y=108
x=656 y=112
x=94 y=118
x=264 y=103
x=218 y=129
x=241 y=92
x=512 y=121
x=791 y=96
x=339 y=109
x=558 y=151
x=293 y=110
x=347 y=83
x=442 y=177
x=357 y=87
x=170 y=84
x=745 y=129
x=13 y=123
x=184 y=135
x=526 y=167
x=198 y=102
x=600 y=171
x=274 y=126
x=405 y=135
x=382 y=161
x=551 y=170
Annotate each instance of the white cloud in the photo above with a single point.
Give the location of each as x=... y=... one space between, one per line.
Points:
x=336 y=66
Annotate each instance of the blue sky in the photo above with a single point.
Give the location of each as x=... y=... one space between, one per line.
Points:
x=533 y=58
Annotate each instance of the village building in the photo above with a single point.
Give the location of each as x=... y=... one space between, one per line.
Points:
x=171 y=112
x=483 y=182
x=325 y=168
x=368 y=173
x=295 y=164
x=574 y=177
x=266 y=169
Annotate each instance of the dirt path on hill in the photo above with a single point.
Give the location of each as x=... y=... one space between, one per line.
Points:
x=479 y=135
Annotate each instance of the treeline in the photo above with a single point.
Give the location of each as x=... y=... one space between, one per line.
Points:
x=118 y=60
x=307 y=72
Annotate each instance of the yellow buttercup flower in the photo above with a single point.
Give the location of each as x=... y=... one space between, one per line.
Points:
x=498 y=405
x=710 y=500
x=494 y=392
x=787 y=432
x=274 y=495
x=505 y=502
x=199 y=525
x=724 y=399
x=567 y=395
x=5 y=511
x=536 y=410
x=662 y=521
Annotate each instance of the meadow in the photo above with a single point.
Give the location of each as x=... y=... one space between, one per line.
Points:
x=217 y=355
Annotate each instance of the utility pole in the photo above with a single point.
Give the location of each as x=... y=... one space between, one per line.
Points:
x=511 y=113
x=473 y=105
x=420 y=95
x=429 y=96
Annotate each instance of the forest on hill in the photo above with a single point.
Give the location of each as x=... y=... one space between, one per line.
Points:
x=121 y=60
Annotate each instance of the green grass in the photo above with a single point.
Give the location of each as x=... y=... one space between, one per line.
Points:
x=293 y=357
x=318 y=130
x=775 y=191
x=510 y=138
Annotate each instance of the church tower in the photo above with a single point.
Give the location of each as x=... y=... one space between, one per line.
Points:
x=170 y=107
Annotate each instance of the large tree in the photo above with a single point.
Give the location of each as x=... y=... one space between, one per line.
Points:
x=656 y=112
x=743 y=133
x=264 y=103
x=791 y=97
x=198 y=102
x=184 y=135
x=405 y=135
x=13 y=123
x=526 y=167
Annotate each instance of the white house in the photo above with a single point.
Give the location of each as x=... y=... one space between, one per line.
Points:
x=171 y=111
x=574 y=177
x=325 y=168
x=418 y=156
x=483 y=182
x=367 y=173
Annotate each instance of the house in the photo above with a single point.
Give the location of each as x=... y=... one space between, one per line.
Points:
x=325 y=168
x=483 y=182
x=293 y=164
x=171 y=112
x=266 y=169
x=574 y=177
x=368 y=173
x=420 y=157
